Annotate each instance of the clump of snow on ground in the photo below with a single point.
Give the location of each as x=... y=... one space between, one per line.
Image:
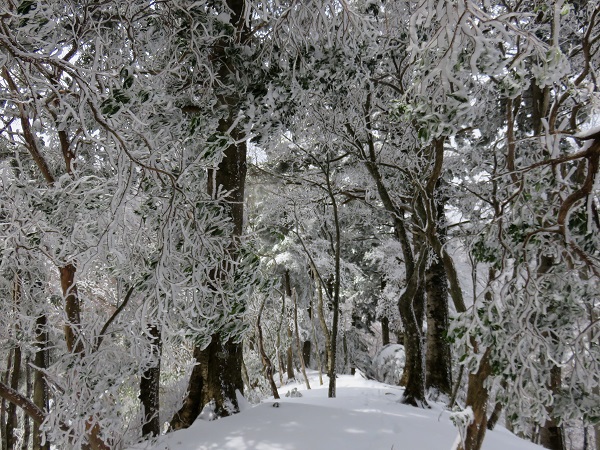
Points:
x=366 y=415
x=388 y=364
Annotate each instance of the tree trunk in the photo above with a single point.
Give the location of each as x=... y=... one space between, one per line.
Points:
x=150 y=386
x=300 y=354
x=385 y=331
x=597 y=429
x=267 y=365
x=5 y=404
x=306 y=351
x=318 y=352
x=414 y=393
x=40 y=390
x=219 y=372
x=322 y=321
x=15 y=376
x=411 y=315
x=477 y=399
x=495 y=416
x=551 y=435
x=11 y=414
x=26 y=419
x=290 y=352
x=332 y=372
x=216 y=377
x=438 y=358
x=72 y=308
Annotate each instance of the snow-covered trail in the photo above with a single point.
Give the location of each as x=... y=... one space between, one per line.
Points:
x=365 y=415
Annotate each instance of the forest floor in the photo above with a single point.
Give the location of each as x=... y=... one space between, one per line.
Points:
x=366 y=415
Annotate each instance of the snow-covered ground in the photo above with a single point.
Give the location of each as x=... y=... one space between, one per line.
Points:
x=365 y=415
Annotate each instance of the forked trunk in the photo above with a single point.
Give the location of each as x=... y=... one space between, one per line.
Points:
x=216 y=377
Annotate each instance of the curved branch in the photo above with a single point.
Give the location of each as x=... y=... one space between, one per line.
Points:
x=14 y=397
x=112 y=318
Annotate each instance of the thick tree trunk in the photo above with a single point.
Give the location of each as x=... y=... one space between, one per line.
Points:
x=438 y=358
x=219 y=371
x=411 y=315
x=414 y=393
x=477 y=399
x=216 y=377
x=150 y=386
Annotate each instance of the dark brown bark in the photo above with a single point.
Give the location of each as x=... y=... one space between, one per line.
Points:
x=493 y=420
x=72 y=308
x=192 y=403
x=150 y=386
x=15 y=398
x=216 y=377
x=477 y=399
